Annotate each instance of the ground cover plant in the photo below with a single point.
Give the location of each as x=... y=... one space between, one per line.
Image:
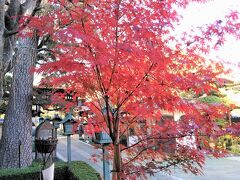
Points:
x=76 y=170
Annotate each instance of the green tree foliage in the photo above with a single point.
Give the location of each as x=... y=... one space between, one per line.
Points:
x=6 y=88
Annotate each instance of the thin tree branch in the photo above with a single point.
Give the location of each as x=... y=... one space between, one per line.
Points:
x=24 y=8
x=109 y=118
x=136 y=87
x=157 y=137
x=44 y=41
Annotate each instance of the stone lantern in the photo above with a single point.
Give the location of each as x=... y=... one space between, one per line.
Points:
x=68 y=122
x=104 y=139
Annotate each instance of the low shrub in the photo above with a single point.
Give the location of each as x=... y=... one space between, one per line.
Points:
x=229 y=143
x=77 y=170
x=28 y=173
x=83 y=171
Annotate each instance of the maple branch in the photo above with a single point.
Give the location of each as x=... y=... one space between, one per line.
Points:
x=136 y=156
x=140 y=152
x=161 y=82
x=136 y=87
x=116 y=42
x=116 y=119
x=162 y=167
x=189 y=134
x=134 y=119
x=96 y=69
x=170 y=164
x=46 y=49
x=99 y=79
x=44 y=40
x=108 y=119
x=156 y=138
x=24 y=6
x=116 y=125
x=106 y=98
x=117 y=90
x=99 y=109
x=80 y=1
x=111 y=77
x=69 y=9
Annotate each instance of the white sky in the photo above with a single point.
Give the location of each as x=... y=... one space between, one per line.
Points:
x=198 y=14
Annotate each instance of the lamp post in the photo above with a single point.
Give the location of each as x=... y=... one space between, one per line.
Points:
x=104 y=139
x=56 y=121
x=82 y=114
x=68 y=122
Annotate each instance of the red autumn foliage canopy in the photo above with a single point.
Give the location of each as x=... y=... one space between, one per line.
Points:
x=122 y=57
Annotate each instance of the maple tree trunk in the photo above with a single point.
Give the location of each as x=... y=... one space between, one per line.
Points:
x=117 y=160
x=117 y=166
x=16 y=143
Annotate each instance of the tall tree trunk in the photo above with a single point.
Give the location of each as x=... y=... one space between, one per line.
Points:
x=16 y=148
x=117 y=164
x=1 y=87
x=10 y=14
x=117 y=159
x=2 y=3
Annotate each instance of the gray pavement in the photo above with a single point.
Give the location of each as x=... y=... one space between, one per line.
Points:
x=83 y=152
x=214 y=169
x=80 y=151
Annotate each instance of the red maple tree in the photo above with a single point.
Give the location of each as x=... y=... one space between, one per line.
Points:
x=122 y=57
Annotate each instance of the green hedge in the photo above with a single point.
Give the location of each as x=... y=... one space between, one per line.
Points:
x=83 y=171
x=77 y=170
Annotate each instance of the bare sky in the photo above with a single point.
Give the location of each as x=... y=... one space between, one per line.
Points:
x=199 y=14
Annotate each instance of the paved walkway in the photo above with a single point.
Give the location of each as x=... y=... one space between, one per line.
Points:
x=215 y=169
x=80 y=151
x=83 y=151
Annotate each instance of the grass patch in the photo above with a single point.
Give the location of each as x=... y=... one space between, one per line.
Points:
x=77 y=170
x=35 y=167
x=83 y=171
